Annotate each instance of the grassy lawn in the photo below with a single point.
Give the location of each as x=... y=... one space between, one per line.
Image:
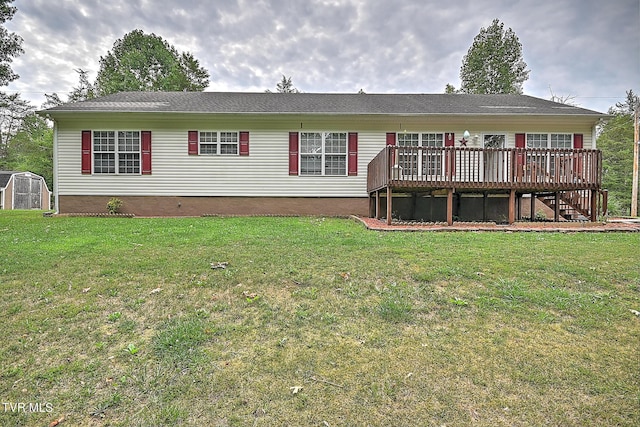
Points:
x=319 y=322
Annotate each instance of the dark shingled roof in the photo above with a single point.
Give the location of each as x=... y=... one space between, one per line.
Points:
x=5 y=176
x=323 y=103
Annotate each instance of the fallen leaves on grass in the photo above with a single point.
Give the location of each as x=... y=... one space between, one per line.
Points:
x=56 y=422
x=155 y=291
x=295 y=389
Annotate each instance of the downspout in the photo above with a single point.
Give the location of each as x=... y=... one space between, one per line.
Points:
x=56 y=198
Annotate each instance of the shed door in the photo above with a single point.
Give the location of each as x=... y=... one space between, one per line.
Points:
x=27 y=193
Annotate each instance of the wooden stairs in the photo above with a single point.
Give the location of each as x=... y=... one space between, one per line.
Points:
x=572 y=205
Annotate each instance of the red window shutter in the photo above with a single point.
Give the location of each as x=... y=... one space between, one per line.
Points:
x=391 y=138
x=146 y=152
x=578 y=144
x=193 y=142
x=577 y=141
x=293 y=153
x=353 y=154
x=521 y=139
x=244 y=143
x=450 y=155
x=449 y=139
x=86 y=152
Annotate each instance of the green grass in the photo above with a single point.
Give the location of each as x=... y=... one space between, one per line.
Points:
x=123 y=322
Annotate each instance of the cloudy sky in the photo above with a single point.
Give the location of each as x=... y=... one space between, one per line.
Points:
x=586 y=49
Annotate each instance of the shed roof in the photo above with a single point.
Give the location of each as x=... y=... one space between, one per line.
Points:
x=322 y=103
x=5 y=176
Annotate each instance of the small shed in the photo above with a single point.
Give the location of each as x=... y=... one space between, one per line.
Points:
x=23 y=190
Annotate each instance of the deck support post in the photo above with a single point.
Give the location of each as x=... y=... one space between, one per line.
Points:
x=485 y=205
x=377 y=208
x=450 y=206
x=594 y=205
x=512 y=206
x=534 y=198
x=389 y=207
x=556 y=208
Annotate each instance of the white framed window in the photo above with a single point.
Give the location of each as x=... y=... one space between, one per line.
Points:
x=218 y=142
x=548 y=162
x=323 y=153
x=116 y=152
x=550 y=140
x=561 y=140
x=430 y=162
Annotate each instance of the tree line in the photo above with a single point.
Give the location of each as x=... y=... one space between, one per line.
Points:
x=146 y=62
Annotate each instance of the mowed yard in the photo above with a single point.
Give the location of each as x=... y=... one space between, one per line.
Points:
x=313 y=322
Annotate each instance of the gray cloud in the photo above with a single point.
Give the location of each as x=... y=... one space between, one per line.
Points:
x=585 y=48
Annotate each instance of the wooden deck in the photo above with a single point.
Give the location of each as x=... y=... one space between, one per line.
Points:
x=563 y=172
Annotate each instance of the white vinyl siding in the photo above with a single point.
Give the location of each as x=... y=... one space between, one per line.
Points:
x=264 y=173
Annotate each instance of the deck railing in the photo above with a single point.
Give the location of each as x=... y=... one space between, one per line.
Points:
x=537 y=169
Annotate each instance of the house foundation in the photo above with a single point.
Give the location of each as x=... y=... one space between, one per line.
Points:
x=198 y=206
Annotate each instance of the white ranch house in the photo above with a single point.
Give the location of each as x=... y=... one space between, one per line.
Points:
x=432 y=157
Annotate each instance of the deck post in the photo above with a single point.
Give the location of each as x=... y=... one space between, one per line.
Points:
x=389 y=207
x=450 y=206
x=485 y=205
x=533 y=207
x=556 y=208
x=377 y=209
x=594 y=205
x=512 y=206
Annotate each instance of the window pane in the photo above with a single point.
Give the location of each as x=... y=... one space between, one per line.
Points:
x=335 y=143
x=494 y=141
x=128 y=141
x=129 y=163
x=560 y=140
x=229 y=137
x=104 y=163
x=228 y=149
x=432 y=140
x=208 y=148
x=310 y=143
x=208 y=137
x=536 y=140
x=335 y=165
x=104 y=141
x=310 y=165
x=408 y=139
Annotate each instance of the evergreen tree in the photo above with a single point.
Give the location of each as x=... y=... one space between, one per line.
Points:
x=285 y=86
x=616 y=142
